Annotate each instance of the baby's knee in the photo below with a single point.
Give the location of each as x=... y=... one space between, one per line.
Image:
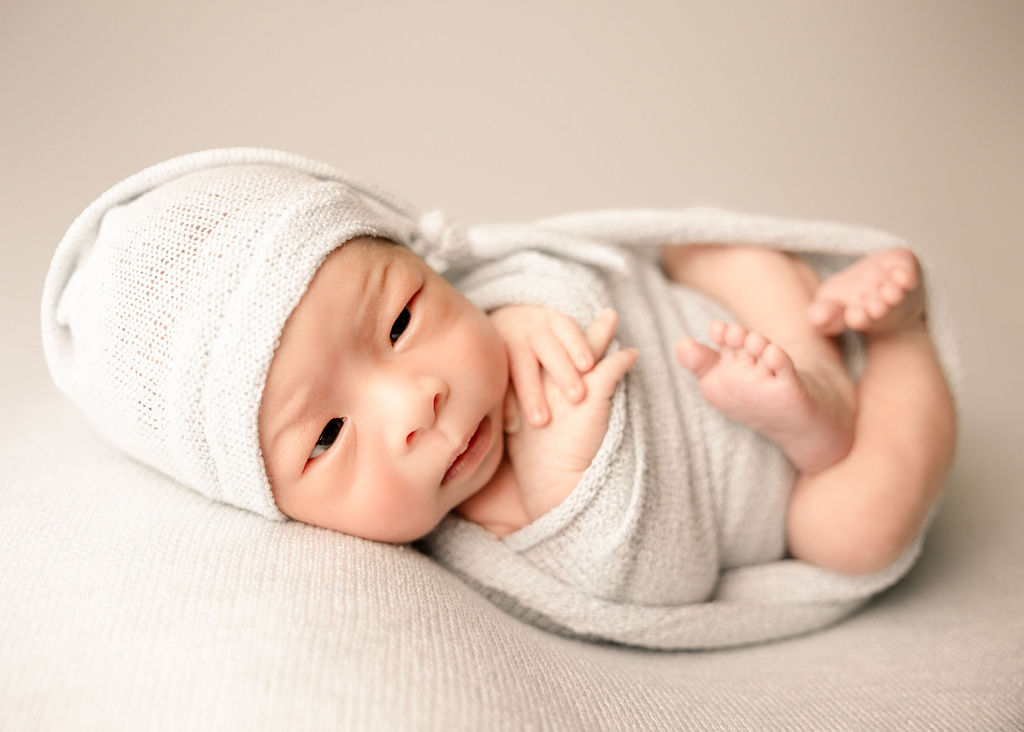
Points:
x=851 y=540
x=847 y=557
x=865 y=556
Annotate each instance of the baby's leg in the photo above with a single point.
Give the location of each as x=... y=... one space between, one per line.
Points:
x=775 y=372
x=768 y=291
x=860 y=514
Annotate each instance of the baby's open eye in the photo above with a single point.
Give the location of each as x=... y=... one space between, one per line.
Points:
x=401 y=323
x=327 y=437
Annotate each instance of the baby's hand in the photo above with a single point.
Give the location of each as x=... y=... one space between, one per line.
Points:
x=540 y=339
x=549 y=461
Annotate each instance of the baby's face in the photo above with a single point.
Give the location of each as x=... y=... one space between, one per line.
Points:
x=383 y=406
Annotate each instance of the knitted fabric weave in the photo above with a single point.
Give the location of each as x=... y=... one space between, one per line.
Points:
x=166 y=299
x=675 y=536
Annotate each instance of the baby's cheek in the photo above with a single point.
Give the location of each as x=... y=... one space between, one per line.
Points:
x=494 y=356
x=394 y=511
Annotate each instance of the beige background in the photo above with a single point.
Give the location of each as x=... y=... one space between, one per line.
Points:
x=903 y=115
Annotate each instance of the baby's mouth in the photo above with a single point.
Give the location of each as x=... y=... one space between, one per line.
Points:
x=471 y=454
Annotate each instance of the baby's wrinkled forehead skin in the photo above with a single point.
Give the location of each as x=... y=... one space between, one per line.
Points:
x=383 y=376
x=299 y=337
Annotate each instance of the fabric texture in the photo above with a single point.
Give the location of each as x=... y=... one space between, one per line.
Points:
x=173 y=375
x=133 y=603
x=674 y=537
x=165 y=301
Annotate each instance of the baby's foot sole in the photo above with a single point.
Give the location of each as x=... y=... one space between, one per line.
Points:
x=879 y=294
x=755 y=382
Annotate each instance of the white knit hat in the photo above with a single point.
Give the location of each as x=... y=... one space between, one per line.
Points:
x=166 y=298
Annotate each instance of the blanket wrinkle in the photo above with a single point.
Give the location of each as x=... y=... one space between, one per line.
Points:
x=675 y=536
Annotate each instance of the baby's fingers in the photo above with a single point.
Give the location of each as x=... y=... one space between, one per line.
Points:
x=601 y=331
x=524 y=371
x=610 y=370
x=568 y=332
x=557 y=362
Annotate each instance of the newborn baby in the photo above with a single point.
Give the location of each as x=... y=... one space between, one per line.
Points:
x=294 y=349
x=383 y=408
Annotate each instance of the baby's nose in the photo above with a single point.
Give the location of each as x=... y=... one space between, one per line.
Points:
x=422 y=402
x=426 y=423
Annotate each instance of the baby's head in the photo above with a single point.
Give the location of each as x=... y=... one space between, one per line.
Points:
x=208 y=312
x=383 y=407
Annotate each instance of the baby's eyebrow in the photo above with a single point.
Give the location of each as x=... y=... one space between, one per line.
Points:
x=293 y=415
x=375 y=294
x=301 y=407
x=371 y=299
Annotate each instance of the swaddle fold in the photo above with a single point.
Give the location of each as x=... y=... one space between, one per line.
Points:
x=675 y=536
x=166 y=299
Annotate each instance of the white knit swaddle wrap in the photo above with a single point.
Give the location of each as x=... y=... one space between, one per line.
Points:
x=166 y=298
x=675 y=536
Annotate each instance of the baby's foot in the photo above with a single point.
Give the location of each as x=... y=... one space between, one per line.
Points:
x=755 y=382
x=878 y=294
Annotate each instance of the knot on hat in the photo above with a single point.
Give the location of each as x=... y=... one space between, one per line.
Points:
x=440 y=242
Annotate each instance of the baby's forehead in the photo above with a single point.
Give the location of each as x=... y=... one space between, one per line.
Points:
x=348 y=261
x=354 y=273
x=335 y=318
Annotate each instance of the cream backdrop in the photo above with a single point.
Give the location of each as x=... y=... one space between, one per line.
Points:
x=907 y=116
x=903 y=115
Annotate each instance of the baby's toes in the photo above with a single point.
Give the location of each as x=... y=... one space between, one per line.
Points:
x=876 y=308
x=735 y=336
x=856 y=317
x=903 y=277
x=695 y=356
x=826 y=315
x=900 y=267
x=735 y=345
x=754 y=344
x=778 y=361
x=716 y=332
x=891 y=293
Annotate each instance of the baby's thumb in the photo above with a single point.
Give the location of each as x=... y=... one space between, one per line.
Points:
x=610 y=370
x=600 y=333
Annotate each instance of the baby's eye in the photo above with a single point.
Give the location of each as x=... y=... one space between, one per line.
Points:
x=401 y=323
x=327 y=437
